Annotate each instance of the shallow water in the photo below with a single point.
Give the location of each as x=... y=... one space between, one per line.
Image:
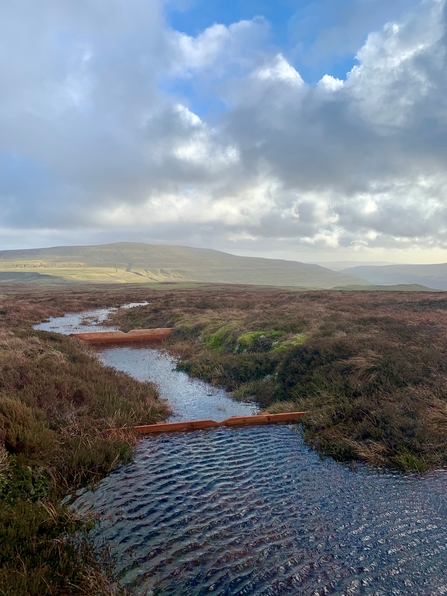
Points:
x=191 y=399
x=253 y=511
x=89 y=320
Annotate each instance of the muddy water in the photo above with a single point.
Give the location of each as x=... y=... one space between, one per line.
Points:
x=254 y=512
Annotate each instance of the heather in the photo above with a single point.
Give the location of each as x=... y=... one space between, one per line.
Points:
x=370 y=368
x=56 y=401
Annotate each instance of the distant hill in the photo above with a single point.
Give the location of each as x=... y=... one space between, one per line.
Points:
x=388 y=288
x=25 y=277
x=432 y=276
x=125 y=262
x=343 y=265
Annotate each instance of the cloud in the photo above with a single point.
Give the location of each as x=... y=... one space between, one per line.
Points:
x=380 y=136
x=324 y=31
x=220 y=50
x=95 y=136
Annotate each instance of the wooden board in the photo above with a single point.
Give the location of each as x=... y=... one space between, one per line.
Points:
x=169 y=427
x=262 y=419
x=235 y=421
x=106 y=337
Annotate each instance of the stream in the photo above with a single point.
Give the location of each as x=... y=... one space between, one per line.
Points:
x=253 y=511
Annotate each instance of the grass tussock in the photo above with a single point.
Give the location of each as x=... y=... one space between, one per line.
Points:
x=56 y=401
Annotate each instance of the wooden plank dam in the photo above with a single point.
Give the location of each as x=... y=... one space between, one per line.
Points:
x=119 y=337
x=234 y=421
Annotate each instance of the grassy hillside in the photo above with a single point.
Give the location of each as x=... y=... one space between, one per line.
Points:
x=387 y=288
x=145 y=263
x=432 y=276
x=343 y=265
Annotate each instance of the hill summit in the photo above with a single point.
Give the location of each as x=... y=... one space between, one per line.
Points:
x=136 y=262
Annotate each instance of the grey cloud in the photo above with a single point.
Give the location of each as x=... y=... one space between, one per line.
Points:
x=386 y=125
x=307 y=212
x=103 y=147
x=394 y=220
x=83 y=101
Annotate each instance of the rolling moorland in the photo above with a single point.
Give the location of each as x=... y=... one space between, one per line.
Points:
x=369 y=367
x=129 y=262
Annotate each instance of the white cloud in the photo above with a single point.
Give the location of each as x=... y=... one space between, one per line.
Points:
x=279 y=70
x=328 y=83
x=398 y=68
x=95 y=132
x=200 y=147
x=219 y=49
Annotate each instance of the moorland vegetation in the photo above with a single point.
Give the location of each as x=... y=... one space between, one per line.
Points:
x=56 y=399
x=370 y=368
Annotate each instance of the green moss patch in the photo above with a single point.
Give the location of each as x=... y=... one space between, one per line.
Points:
x=224 y=338
x=297 y=340
x=257 y=341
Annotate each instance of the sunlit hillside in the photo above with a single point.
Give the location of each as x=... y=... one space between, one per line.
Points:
x=146 y=263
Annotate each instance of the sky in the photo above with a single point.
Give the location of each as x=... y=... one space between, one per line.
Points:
x=310 y=130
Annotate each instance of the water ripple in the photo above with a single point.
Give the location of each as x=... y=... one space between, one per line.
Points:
x=254 y=512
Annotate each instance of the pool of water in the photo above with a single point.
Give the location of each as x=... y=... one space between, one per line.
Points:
x=253 y=511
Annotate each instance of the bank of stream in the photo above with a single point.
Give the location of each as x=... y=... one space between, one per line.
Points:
x=253 y=511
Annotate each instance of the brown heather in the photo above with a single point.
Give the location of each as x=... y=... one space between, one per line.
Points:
x=56 y=399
